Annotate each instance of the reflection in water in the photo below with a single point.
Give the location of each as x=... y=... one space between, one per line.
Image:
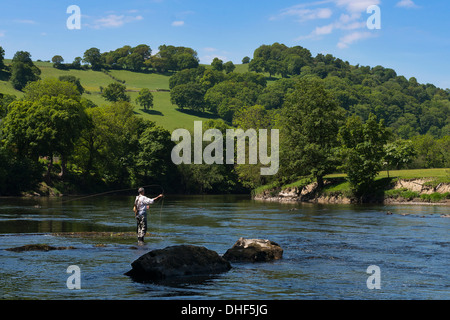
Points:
x=327 y=248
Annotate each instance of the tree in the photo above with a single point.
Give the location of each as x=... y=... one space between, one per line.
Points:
x=145 y=98
x=2 y=57
x=362 y=151
x=110 y=145
x=74 y=80
x=256 y=65
x=23 y=70
x=94 y=58
x=229 y=66
x=254 y=117
x=245 y=60
x=57 y=61
x=217 y=64
x=309 y=124
x=76 y=64
x=44 y=127
x=188 y=96
x=153 y=160
x=115 y=92
x=52 y=88
x=398 y=153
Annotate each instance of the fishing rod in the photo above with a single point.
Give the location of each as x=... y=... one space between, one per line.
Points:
x=113 y=191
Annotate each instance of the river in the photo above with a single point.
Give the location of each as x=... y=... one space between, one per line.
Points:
x=327 y=248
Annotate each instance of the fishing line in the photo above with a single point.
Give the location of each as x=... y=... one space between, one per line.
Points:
x=112 y=191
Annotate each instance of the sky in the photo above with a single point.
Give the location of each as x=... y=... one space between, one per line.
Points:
x=411 y=36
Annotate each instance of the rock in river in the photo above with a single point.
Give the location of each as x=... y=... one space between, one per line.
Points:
x=177 y=262
x=253 y=250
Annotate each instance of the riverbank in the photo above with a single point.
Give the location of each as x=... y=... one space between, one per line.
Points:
x=428 y=191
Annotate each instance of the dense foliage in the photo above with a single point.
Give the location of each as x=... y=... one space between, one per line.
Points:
x=332 y=117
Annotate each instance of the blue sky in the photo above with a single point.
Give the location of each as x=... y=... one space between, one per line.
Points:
x=413 y=39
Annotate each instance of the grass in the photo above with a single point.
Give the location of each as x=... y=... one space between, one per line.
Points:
x=381 y=187
x=164 y=113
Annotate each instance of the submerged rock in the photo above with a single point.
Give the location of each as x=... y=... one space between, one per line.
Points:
x=38 y=247
x=253 y=250
x=177 y=262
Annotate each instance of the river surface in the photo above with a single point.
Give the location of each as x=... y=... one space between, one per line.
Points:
x=327 y=248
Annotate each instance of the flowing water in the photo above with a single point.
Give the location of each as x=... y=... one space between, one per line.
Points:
x=327 y=248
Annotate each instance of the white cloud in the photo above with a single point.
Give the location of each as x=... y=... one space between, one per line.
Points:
x=350 y=25
x=356 y=6
x=303 y=14
x=25 y=21
x=114 y=21
x=406 y=4
x=207 y=59
x=178 y=23
x=348 y=39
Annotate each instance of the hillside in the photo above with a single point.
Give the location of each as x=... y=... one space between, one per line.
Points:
x=164 y=113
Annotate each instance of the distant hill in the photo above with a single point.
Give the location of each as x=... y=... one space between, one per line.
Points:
x=164 y=113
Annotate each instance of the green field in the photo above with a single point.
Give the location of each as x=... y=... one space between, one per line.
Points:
x=164 y=113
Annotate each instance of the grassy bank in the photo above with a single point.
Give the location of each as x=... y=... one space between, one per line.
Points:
x=428 y=185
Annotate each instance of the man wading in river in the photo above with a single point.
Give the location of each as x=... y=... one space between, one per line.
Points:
x=141 y=205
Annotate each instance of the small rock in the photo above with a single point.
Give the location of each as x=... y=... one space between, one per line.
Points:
x=253 y=250
x=38 y=247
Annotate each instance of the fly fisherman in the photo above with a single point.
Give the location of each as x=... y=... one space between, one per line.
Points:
x=141 y=204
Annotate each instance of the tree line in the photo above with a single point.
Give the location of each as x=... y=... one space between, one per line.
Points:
x=137 y=59
x=332 y=117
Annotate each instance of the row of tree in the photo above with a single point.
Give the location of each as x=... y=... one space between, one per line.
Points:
x=138 y=59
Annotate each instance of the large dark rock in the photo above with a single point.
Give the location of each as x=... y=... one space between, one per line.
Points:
x=253 y=250
x=177 y=261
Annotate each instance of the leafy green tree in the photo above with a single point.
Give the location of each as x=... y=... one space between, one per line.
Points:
x=145 y=98
x=133 y=62
x=217 y=64
x=256 y=65
x=175 y=58
x=362 y=151
x=253 y=117
x=188 y=96
x=309 y=123
x=210 y=78
x=52 y=88
x=44 y=127
x=398 y=154
x=94 y=58
x=428 y=150
x=2 y=58
x=115 y=92
x=229 y=66
x=153 y=160
x=57 y=61
x=76 y=64
x=23 y=70
x=74 y=80
x=245 y=60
